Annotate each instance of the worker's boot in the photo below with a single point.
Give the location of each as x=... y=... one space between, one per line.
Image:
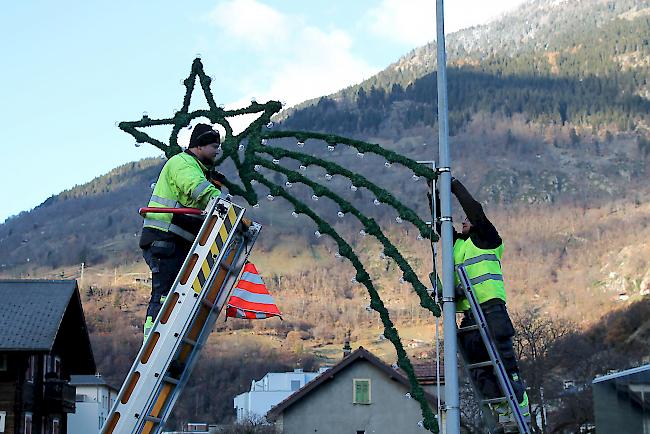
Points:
x=505 y=417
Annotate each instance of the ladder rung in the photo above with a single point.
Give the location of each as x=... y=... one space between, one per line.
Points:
x=468 y=328
x=225 y=266
x=208 y=304
x=494 y=400
x=189 y=341
x=153 y=419
x=479 y=365
x=171 y=380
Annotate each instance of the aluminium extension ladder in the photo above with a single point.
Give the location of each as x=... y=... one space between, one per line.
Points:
x=197 y=297
x=495 y=362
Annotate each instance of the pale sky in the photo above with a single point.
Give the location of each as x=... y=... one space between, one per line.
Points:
x=71 y=69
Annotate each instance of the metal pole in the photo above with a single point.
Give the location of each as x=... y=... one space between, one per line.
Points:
x=452 y=399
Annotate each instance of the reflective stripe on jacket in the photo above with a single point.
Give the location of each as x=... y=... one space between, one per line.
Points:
x=483 y=268
x=182 y=183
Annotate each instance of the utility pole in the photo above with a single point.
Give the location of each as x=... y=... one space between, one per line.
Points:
x=452 y=399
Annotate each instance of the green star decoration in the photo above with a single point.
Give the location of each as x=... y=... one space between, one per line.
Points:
x=255 y=144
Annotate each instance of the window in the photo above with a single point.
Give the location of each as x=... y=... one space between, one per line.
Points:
x=57 y=366
x=30 y=373
x=3 y=363
x=361 y=391
x=295 y=385
x=28 y=423
x=55 y=426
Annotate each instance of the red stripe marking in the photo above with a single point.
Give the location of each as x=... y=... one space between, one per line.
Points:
x=258 y=307
x=255 y=288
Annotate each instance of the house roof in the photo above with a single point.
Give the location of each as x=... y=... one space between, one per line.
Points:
x=31 y=312
x=89 y=380
x=621 y=374
x=358 y=355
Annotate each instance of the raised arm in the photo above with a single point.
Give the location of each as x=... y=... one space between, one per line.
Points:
x=481 y=225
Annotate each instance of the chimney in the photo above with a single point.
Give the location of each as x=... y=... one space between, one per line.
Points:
x=347 y=349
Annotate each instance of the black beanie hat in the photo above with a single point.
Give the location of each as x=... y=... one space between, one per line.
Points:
x=202 y=135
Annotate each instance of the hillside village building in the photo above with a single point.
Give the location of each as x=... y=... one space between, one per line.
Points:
x=94 y=400
x=622 y=402
x=270 y=390
x=43 y=341
x=360 y=394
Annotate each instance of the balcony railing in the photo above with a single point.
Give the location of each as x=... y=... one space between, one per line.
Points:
x=59 y=396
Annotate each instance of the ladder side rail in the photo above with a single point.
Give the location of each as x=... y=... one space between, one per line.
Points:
x=499 y=368
x=185 y=321
x=222 y=298
x=125 y=423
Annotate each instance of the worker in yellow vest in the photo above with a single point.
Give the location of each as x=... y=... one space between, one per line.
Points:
x=479 y=248
x=167 y=238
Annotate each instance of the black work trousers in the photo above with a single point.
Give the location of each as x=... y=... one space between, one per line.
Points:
x=502 y=332
x=165 y=259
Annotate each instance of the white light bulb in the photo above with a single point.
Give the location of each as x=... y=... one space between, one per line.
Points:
x=353 y=187
x=376 y=202
x=328 y=176
x=270 y=197
x=300 y=144
x=398 y=219
x=340 y=214
x=314 y=197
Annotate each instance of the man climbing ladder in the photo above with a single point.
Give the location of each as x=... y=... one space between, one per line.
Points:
x=479 y=248
x=167 y=238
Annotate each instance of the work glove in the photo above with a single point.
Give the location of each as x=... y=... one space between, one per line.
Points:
x=216 y=177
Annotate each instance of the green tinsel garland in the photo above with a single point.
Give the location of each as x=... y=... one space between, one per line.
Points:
x=255 y=135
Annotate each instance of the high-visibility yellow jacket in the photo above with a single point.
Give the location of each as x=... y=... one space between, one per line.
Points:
x=483 y=268
x=182 y=183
